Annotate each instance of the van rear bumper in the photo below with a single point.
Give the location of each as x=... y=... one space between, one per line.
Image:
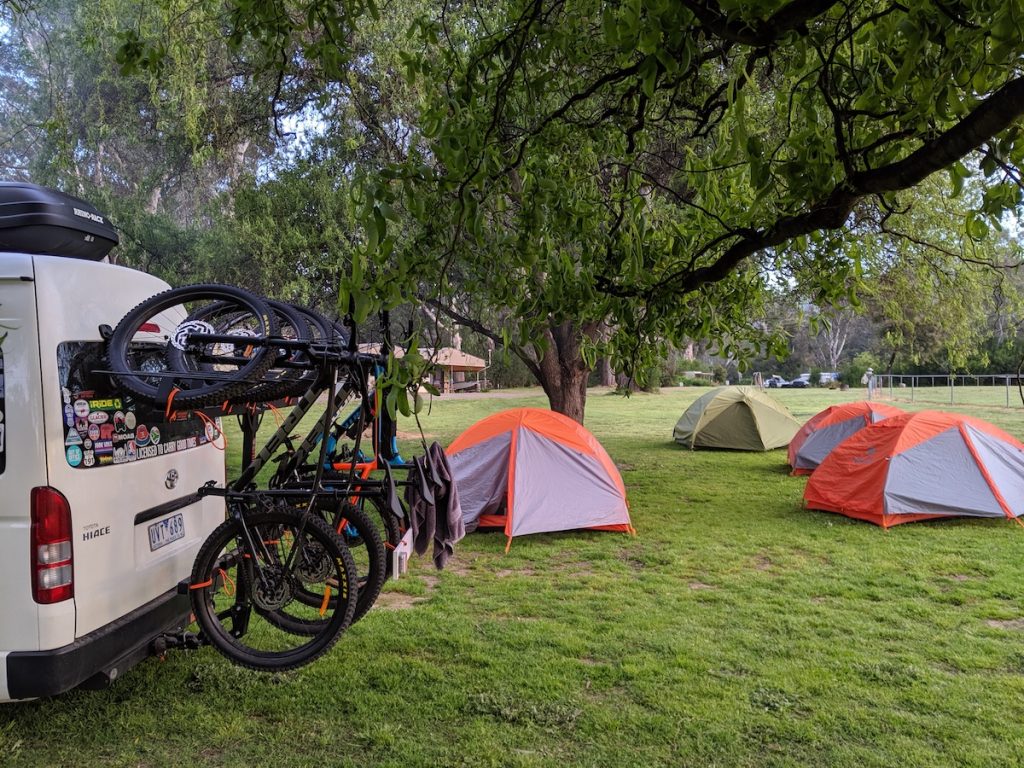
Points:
x=103 y=654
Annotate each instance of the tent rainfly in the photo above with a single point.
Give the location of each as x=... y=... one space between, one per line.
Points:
x=827 y=429
x=528 y=470
x=738 y=418
x=919 y=466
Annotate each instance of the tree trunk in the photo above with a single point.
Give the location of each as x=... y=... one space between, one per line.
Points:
x=558 y=366
x=561 y=370
x=604 y=369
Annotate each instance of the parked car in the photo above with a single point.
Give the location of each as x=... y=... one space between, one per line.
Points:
x=775 y=381
x=99 y=515
x=800 y=383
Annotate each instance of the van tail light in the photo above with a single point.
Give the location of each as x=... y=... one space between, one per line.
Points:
x=52 y=568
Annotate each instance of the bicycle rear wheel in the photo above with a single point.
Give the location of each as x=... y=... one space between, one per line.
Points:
x=364 y=543
x=151 y=352
x=252 y=567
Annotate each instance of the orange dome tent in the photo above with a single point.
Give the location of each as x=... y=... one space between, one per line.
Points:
x=827 y=429
x=919 y=466
x=528 y=470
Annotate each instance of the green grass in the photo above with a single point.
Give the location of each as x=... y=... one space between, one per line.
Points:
x=735 y=630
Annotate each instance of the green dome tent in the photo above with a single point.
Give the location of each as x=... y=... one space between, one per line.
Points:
x=738 y=418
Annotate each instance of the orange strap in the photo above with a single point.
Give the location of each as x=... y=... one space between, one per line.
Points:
x=327 y=599
x=278 y=418
x=170 y=403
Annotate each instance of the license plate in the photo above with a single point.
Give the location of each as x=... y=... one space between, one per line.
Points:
x=167 y=530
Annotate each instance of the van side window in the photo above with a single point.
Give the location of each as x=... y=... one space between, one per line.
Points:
x=103 y=425
x=3 y=426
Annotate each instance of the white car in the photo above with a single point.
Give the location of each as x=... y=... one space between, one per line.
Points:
x=99 y=516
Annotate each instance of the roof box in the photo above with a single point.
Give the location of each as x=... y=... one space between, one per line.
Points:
x=35 y=219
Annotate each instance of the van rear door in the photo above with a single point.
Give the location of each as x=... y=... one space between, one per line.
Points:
x=22 y=465
x=129 y=474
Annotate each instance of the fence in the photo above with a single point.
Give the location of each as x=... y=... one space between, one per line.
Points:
x=950 y=389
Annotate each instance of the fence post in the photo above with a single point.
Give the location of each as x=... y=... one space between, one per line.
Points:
x=913 y=387
x=1007 y=391
x=952 y=379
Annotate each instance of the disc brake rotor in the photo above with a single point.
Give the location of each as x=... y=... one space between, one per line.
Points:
x=272 y=588
x=314 y=564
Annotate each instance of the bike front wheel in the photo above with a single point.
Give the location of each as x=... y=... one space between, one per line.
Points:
x=253 y=566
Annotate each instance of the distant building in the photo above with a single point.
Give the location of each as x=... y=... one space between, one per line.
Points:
x=451 y=366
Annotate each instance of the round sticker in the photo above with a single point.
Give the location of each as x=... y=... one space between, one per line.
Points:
x=98 y=417
x=211 y=431
x=119 y=421
x=74 y=455
x=154 y=435
x=94 y=432
x=81 y=408
x=87 y=444
x=142 y=435
x=129 y=420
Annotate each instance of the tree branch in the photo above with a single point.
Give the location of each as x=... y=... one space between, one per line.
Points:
x=996 y=113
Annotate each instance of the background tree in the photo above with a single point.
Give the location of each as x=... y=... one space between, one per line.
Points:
x=645 y=165
x=613 y=178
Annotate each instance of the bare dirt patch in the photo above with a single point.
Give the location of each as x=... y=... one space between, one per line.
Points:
x=763 y=563
x=572 y=568
x=397 y=601
x=506 y=572
x=414 y=435
x=1016 y=624
x=460 y=565
x=701 y=585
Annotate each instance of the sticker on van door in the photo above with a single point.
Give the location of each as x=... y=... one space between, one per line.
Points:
x=105 y=426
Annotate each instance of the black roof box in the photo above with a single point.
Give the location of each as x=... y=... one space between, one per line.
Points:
x=35 y=219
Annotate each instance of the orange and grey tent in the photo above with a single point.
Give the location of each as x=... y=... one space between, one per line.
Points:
x=919 y=466
x=528 y=470
x=827 y=429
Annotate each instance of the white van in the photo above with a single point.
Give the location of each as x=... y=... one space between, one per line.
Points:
x=99 y=516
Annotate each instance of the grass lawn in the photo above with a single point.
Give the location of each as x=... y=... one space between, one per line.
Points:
x=735 y=630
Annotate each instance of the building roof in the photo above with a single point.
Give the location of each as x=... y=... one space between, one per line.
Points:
x=444 y=357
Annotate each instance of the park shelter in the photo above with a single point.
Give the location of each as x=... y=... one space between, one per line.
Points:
x=828 y=428
x=529 y=470
x=738 y=418
x=919 y=466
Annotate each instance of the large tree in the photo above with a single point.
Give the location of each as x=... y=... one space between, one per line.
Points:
x=609 y=177
x=643 y=165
